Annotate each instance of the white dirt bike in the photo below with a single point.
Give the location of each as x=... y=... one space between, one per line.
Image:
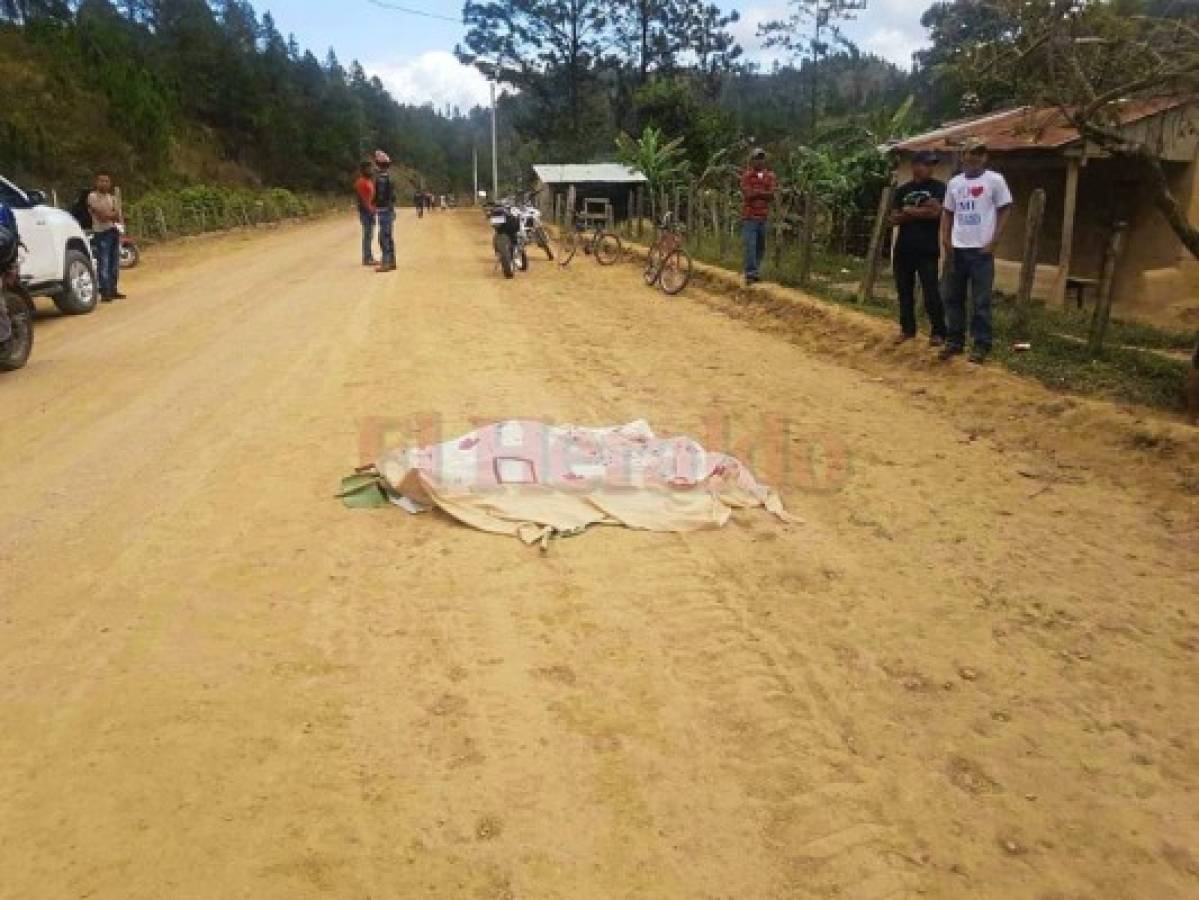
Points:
x=532 y=231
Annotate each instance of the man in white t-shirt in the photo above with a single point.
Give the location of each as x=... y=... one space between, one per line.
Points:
x=977 y=206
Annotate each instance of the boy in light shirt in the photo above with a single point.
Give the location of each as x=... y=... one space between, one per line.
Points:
x=977 y=206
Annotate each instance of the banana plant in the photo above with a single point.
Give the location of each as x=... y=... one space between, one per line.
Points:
x=662 y=162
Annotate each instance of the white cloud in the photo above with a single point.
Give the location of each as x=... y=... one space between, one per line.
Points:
x=434 y=77
x=888 y=28
x=746 y=32
x=894 y=44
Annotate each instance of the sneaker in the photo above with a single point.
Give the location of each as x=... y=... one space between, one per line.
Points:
x=370 y=262
x=936 y=341
x=903 y=338
x=117 y=295
x=385 y=267
x=949 y=352
x=106 y=298
x=751 y=280
x=978 y=355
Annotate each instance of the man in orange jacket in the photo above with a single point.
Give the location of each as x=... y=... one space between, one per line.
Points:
x=364 y=188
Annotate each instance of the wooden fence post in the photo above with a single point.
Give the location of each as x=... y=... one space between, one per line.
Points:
x=1103 y=307
x=776 y=230
x=881 y=223
x=809 y=238
x=162 y=221
x=1028 y=265
x=723 y=214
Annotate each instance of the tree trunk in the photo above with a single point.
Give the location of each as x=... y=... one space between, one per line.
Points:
x=1103 y=307
x=866 y=291
x=1028 y=266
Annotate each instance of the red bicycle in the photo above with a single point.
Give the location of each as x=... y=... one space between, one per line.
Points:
x=668 y=265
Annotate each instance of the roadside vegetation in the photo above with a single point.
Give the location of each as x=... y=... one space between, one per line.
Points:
x=163 y=214
x=1139 y=364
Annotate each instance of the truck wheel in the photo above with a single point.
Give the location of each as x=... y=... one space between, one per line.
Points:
x=78 y=296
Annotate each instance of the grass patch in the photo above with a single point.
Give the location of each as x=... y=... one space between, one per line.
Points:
x=1131 y=368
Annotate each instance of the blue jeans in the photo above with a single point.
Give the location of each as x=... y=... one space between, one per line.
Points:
x=974 y=274
x=106 y=245
x=387 y=244
x=753 y=236
x=368 y=234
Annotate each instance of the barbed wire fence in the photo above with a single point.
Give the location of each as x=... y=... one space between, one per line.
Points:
x=812 y=243
x=160 y=216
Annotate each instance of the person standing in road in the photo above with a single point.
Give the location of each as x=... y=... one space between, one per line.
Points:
x=106 y=238
x=364 y=189
x=758 y=185
x=977 y=208
x=385 y=211
x=917 y=215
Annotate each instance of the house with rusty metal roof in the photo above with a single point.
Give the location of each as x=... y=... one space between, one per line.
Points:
x=1088 y=192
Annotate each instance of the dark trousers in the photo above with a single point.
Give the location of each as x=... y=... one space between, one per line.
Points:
x=753 y=236
x=972 y=276
x=909 y=266
x=106 y=245
x=367 y=218
x=387 y=244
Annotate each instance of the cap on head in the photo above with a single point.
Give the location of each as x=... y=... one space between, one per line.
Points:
x=382 y=159
x=976 y=146
x=925 y=157
x=758 y=153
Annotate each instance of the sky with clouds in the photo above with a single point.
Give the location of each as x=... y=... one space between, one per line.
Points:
x=413 y=54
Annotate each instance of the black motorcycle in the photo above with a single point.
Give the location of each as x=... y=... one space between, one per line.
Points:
x=16 y=307
x=506 y=242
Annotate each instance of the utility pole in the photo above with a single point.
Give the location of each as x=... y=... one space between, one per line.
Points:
x=495 y=165
x=474 y=198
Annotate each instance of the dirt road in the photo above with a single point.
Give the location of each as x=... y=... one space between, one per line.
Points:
x=971 y=672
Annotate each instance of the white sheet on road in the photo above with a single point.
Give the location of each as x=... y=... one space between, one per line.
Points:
x=533 y=480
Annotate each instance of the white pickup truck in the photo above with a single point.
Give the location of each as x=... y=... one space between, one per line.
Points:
x=57 y=259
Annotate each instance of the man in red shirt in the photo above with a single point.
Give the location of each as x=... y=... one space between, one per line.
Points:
x=364 y=188
x=758 y=185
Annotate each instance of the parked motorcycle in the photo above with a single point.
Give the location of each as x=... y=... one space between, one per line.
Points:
x=16 y=308
x=532 y=231
x=130 y=255
x=507 y=241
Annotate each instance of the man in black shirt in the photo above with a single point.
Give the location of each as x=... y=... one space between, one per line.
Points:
x=385 y=205
x=917 y=215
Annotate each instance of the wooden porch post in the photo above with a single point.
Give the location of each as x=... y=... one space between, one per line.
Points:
x=1067 y=249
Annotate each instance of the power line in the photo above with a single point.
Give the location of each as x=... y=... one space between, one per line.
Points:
x=395 y=7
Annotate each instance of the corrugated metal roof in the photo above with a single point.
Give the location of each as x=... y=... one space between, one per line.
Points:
x=610 y=173
x=1028 y=128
